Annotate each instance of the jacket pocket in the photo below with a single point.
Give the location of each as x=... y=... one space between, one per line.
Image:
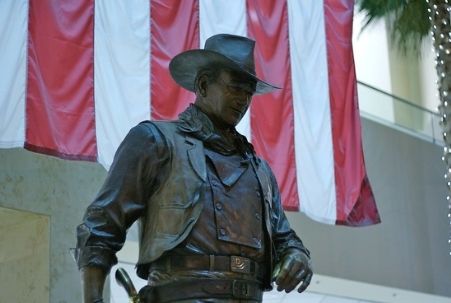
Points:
x=181 y=200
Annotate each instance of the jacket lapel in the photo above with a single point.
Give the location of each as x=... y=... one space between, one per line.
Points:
x=196 y=157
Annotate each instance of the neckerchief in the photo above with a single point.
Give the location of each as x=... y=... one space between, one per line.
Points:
x=197 y=124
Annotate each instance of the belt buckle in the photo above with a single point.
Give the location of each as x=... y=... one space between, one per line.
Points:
x=240 y=264
x=241 y=289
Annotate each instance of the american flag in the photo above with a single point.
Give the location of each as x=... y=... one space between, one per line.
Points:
x=76 y=75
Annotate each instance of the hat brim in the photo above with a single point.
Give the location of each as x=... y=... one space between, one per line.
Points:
x=184 y=68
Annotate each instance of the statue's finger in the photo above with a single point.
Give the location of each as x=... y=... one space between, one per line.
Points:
x=275 y=272
x=305 y=282
x=295 y=280
x=284 y=276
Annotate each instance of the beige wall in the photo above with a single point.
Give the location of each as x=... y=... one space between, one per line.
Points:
x=60 y=190
x=406 y=75
x=371 y=56
x=24 y=256
x=429 y=77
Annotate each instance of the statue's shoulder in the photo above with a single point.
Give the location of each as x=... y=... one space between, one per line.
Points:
x=168 y=128
x=158 y=122
x=162 y=126
x=159 y=133
x=165 y=130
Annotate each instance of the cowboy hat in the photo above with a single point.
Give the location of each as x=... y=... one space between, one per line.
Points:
x=231 y=51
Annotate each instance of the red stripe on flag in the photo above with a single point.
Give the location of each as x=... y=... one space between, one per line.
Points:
x=272 y=120
x=174 y=28
x=60 y=117
x=355 y=201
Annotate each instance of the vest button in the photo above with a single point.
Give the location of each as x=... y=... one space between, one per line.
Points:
x=218 y=206
x=257 y=216
x=222 y=232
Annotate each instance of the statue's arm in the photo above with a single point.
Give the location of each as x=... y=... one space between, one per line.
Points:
x=137 y=164
x=93 y=280
x=293 y=265
x=284 y=238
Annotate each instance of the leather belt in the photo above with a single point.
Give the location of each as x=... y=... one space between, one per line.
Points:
x=235 y=264
x=206 y=288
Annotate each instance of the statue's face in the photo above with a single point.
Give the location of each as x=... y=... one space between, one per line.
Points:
x=229 y=98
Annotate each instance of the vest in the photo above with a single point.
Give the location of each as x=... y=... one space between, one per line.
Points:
x=174 y=207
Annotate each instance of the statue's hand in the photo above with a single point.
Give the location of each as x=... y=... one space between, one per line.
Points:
x=294 y=267
x=93 y=279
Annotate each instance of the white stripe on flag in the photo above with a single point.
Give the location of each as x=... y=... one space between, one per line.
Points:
x=122 y=71
x=313 y=138
x=227 y=17
x=13 y=45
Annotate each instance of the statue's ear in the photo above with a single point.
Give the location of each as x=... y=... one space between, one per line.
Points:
x=201 y=84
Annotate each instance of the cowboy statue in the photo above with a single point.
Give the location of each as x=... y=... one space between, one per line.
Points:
x=211 y=224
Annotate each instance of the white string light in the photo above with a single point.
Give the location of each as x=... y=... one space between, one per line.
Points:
x=440 y=16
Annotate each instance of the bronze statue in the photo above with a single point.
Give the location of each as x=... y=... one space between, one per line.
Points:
x=211 y=223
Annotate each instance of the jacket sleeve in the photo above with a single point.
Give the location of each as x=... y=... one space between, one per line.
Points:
x=137 y=168
x=283 y=236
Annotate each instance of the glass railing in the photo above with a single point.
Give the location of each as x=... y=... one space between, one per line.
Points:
x=399 y=113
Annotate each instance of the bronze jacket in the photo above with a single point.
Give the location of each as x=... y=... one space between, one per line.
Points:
x=159 y=177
